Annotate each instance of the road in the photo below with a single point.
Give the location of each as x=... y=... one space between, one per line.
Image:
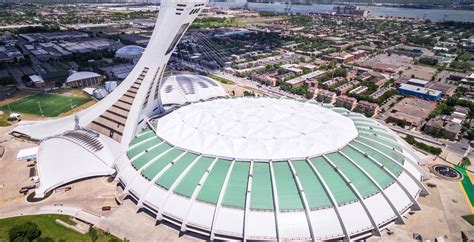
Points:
x=270 y=91
x=461 y=147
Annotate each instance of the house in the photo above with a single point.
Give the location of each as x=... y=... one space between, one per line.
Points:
x=367 y=107
x=325 y=96
x=345 y=102
x=444 y=126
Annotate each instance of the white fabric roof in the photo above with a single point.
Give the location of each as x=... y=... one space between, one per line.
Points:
x=26 y=154
x=250 y=128
x=61 y=161
x=81 y=75
x=131 y=50
x=180 y=89
x=36 y=78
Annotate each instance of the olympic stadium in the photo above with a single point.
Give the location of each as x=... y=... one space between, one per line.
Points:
x=230 y=168
x=266 y=169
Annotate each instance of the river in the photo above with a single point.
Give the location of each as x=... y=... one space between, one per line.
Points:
x=432 y=14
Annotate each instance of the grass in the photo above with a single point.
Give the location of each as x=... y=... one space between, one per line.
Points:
x=49 y=228
x=469 y=219
x=4 y=119
x=52 y=105
x=221 y=79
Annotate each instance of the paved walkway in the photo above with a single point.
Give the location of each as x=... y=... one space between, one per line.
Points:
x=125 y=222
x=70 y=211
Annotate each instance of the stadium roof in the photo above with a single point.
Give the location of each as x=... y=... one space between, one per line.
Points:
x=258 y=129
x=92 y=156
x=81 y=75
x=266 y=169
x=181 y=89
x=130 y=50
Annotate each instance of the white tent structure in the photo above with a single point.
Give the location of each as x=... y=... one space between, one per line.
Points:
x=27 y=154
x=74 y=155
x=185 y=88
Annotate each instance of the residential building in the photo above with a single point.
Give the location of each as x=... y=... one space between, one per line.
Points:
x=367 y=107
x=325 y=96
x=333 y=82
x=345 y=88
x=444 y=126
x=345 y=102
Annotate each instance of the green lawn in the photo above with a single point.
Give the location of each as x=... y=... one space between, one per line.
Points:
x=51 y=104
x=49 y=228
x=221 y=79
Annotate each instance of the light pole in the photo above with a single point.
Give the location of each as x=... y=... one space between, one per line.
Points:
x=41 y=110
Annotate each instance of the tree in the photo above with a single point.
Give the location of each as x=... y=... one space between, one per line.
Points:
x=93 y=234
x=465 y=162
x=249 y=94
x=340 y=72
x=8 y=80
x=428 y=61
x=24 y=232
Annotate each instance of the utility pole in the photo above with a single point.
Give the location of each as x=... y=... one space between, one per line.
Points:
x=41 y=110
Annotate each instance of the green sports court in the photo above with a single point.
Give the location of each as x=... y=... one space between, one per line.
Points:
x=49 y=105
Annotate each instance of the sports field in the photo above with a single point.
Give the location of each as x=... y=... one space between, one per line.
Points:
x=49 y=105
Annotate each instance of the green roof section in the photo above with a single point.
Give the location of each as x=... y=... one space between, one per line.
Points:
x=262 y=194
x=375 y=171
x=287 y=190
x=390 y=165
x=340 y=110
x=148 y=133
x=142 y=147
x=387 y=151
x=169 y=177
x=212 y=187
x=337 y=186
x=152 y=170
x=382 y=141
x=187 y=186
x=363 y=121
x=360 y=181
x=313 y=189
x=377 y=132
x=150 y=155
x=236 y=190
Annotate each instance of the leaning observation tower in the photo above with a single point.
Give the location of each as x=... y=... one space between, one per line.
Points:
x=99 y=134
x=119 y=114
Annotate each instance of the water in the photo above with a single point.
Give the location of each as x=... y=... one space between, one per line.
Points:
x=432 y=14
